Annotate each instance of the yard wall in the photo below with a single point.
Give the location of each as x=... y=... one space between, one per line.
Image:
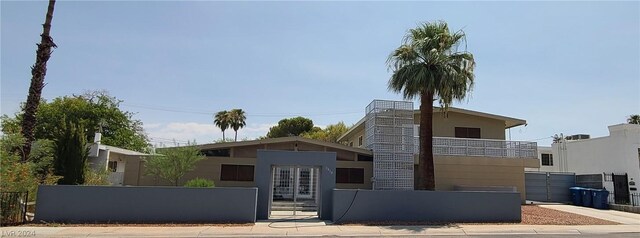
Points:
x=425 y=206
x=89 y=204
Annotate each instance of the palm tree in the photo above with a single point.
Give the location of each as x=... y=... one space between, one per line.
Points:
x=38 y=71
x=237 y=120
x=429 y=65
x=222 y=120
x=634 y=119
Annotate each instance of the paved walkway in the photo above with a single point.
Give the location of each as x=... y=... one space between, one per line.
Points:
x=319 y=228
x=626 y=218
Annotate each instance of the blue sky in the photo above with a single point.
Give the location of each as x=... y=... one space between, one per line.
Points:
x=565 y=67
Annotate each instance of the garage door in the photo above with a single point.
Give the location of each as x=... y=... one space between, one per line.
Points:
x=549 y=187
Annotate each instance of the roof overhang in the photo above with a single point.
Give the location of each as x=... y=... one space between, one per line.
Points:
x=284 y=140
x=509 y=122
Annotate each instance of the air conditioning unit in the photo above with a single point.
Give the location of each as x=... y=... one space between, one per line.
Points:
x=578 y=137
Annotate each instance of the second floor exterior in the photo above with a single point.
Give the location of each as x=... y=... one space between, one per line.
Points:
x=461 y=132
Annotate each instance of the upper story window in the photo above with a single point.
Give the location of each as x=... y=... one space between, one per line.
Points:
x=217 y=152
x=359 y=141
x=547 y=159
x=351 y=143
x=365 y=157
x=467 y=132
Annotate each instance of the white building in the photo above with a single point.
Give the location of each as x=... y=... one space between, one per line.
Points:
x=111 y=158
x=612 y=156
x=548 y=165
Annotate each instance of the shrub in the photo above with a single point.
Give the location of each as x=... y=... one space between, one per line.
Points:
x=199 y=183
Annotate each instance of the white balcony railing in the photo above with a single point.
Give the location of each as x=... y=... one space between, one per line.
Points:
x=481 y=147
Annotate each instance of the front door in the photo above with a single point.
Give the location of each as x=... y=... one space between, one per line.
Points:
x=295 y=190
x=620 y=189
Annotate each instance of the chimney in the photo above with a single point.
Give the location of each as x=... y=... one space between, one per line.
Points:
x=97 y=138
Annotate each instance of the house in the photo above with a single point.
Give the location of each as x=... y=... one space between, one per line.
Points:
x=611 y=162
x=112 y=158
x=545 y=155
x=471 y=153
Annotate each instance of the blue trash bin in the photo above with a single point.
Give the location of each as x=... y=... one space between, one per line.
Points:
x=600 y=199
x=576 y=195
x=587 y=196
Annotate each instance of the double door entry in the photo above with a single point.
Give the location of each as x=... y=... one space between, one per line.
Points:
x=295 y=190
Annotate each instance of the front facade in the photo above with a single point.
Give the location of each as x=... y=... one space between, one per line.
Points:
x=470 y=153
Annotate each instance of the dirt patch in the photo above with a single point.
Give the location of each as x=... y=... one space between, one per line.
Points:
x=531 y=215
x=535 y=215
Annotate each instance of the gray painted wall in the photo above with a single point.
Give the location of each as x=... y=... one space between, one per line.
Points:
x=429 y=206
x=268 y=158
x=549 y=187
x=75 y=204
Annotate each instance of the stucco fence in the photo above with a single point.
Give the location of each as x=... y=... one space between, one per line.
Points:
x=91 y=204
x=425 y=206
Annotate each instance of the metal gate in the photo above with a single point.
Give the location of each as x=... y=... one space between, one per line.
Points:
x=295 y=192
x=549 y=187
x=621 y=188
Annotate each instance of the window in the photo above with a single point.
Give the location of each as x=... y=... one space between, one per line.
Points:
x=365 y=157
x=113 y=166
x=360 y=141
x=351 y=144
x=547 y=159
x=350 y=175
x=467 y=132
x=217 y=152
x=234 y=172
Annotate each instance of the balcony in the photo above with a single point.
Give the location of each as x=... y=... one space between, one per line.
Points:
x=481 y=147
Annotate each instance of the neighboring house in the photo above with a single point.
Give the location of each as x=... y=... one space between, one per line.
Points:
x=470 y=147
x=547 y=163
x=112 y=158
x=613 y=159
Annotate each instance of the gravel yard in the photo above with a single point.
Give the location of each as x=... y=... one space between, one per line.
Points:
x=535 y=215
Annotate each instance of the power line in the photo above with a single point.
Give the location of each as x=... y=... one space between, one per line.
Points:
x=548 y=137
x=168 y=109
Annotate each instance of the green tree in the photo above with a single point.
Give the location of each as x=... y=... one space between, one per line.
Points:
x=173 y=163
x=38 y=72
x=94 y=111
x=634 y=119
x=290 y=127
x=429 y=66
x=71 y=153
x=18 y=176
x=237 y=121
x=222 y=121
x=329 y=134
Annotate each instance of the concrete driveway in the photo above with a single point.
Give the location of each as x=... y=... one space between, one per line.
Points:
x=624 y=218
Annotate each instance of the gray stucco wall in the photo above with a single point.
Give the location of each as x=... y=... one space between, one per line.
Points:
x=79 y=204
x=269 y=158
x=428 y=206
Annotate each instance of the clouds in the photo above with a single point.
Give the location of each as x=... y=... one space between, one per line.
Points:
x=167 y=134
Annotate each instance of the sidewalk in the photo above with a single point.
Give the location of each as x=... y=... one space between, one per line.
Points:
x=318 y=228
x=625 y=218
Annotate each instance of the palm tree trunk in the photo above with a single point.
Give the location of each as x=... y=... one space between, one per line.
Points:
x=223 y=139
x=426 y=175
x=236 y=138
x=38 y=72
